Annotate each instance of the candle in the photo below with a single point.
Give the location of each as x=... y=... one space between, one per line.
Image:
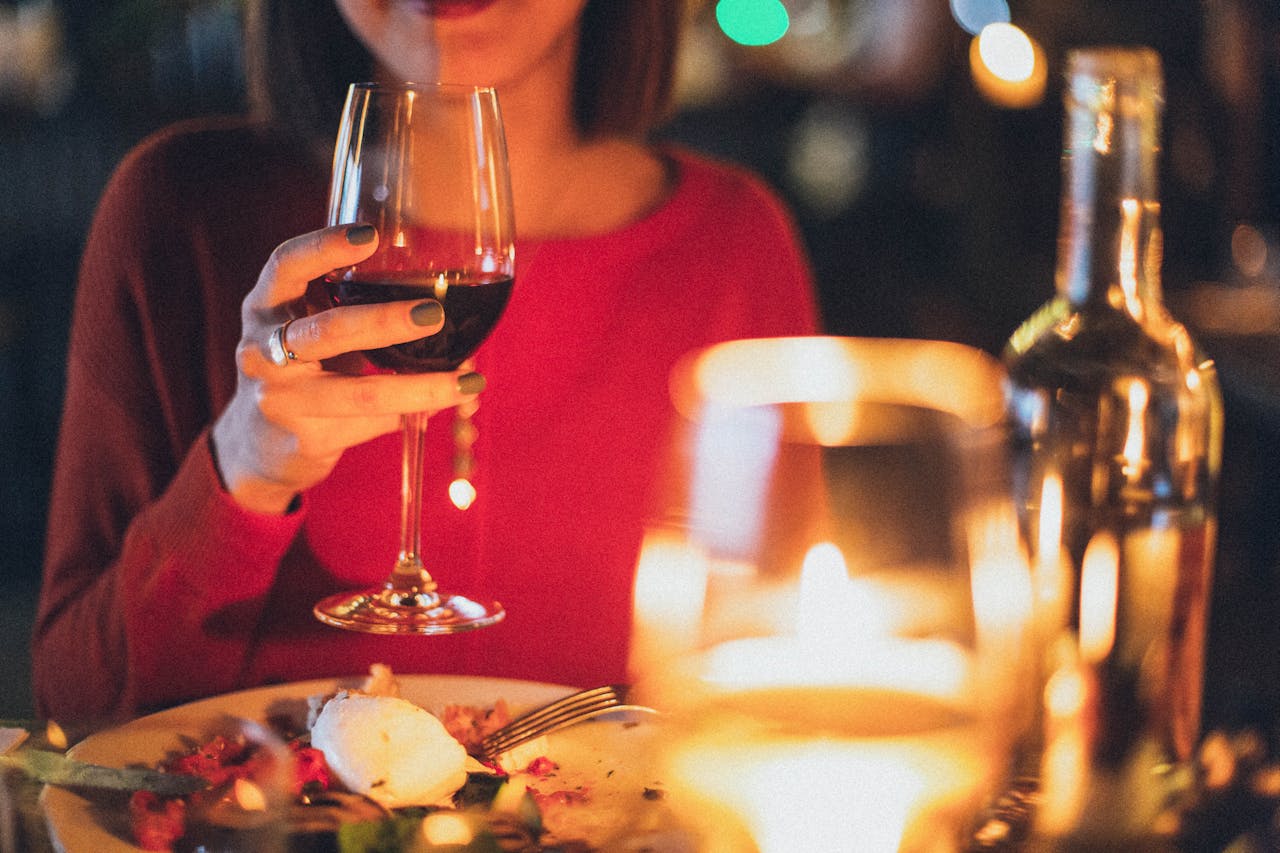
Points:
x=811 y=704
x=836 y=731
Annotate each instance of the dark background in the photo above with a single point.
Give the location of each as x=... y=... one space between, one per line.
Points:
x=927 y=210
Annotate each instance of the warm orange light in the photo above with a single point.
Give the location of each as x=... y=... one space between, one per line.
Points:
x=1063 y=774
x=845 y=635
x=1064 y=693
x=1007 y=51
x=1099 y=592
x=1050 y=532
x=668 y=595
x=754 y=783
x=823 y=589
x=1003 y=601
x=1135 y=441
x=1052 y=577
x=1008 y=66
x=446 y=828
x=249 y=796
x=769 y=371
x=462 y=493
x=1249 y=250
x=831 y=424
x=55 y=735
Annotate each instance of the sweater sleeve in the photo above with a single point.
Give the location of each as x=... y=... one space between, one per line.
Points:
x=154 y=577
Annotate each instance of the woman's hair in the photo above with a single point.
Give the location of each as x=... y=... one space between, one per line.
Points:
x=301 y=56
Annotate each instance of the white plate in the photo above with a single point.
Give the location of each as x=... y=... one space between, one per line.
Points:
x=605 y=756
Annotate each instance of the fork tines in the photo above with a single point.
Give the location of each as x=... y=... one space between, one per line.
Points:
x=558 y=714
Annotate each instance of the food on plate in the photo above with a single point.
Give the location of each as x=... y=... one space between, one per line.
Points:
x=470 y=724
x=362 y=766
x=389 y=750
x=234 y=769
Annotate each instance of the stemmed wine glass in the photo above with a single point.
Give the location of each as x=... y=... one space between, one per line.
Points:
x=427 y=165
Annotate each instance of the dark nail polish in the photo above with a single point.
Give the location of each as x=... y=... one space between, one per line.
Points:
x=427 y=313
x=470 y=383
x=359 y=235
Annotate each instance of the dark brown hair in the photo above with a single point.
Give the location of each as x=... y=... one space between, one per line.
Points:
x=301 y=56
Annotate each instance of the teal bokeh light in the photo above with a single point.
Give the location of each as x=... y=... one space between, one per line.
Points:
x=752 y=22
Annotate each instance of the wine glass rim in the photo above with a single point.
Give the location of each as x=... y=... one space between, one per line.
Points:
x=415 y=86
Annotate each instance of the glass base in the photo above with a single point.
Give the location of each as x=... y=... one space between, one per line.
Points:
x=385 y=611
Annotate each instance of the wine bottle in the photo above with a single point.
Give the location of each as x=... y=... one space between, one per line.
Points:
x=1116 y=423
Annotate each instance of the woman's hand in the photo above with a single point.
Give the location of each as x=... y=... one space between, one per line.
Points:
x=290 y=420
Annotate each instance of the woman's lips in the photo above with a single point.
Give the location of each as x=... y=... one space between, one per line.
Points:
x=449 y=8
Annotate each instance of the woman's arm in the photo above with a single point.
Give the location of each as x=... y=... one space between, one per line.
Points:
x=182 y=445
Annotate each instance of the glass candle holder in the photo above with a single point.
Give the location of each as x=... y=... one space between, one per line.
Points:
x=831 y=612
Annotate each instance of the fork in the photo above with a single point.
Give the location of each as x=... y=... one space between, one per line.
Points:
x=563 y=712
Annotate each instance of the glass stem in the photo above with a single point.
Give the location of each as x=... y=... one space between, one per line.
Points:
x=410 y=574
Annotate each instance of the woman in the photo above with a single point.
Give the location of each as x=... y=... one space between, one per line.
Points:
x=205 y=496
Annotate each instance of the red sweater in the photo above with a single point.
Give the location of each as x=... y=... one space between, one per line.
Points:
x=159 y=588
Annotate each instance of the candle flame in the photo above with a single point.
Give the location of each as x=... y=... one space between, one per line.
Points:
x=844 y=634
x=830 y=605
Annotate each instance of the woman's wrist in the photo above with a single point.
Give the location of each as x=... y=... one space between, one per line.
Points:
x=253 y=493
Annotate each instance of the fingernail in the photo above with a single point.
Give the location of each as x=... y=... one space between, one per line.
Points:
x=359 y=235
x=470 y=383
x=428 y=313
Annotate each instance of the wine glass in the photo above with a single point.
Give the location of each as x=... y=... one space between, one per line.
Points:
x=427 y=165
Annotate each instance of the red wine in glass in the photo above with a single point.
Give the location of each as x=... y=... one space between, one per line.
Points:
x=473 y=303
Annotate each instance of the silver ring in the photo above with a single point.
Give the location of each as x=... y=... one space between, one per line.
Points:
x=278 y=348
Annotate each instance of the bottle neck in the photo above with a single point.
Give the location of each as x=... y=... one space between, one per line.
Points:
x=1110 y=239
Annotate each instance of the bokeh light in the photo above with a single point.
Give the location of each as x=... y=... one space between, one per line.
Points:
x=1008 y=66
x=973 y=15
x=1007 y=51
x=753 y=22
x=1249 y=250
x=462 y=493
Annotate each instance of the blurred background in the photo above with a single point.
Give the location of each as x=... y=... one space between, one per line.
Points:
x=916 y=140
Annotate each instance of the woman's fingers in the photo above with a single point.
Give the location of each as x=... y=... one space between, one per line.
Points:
x=276 y=301
x=359 y=327
x=300 y=259
x=335 y=395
